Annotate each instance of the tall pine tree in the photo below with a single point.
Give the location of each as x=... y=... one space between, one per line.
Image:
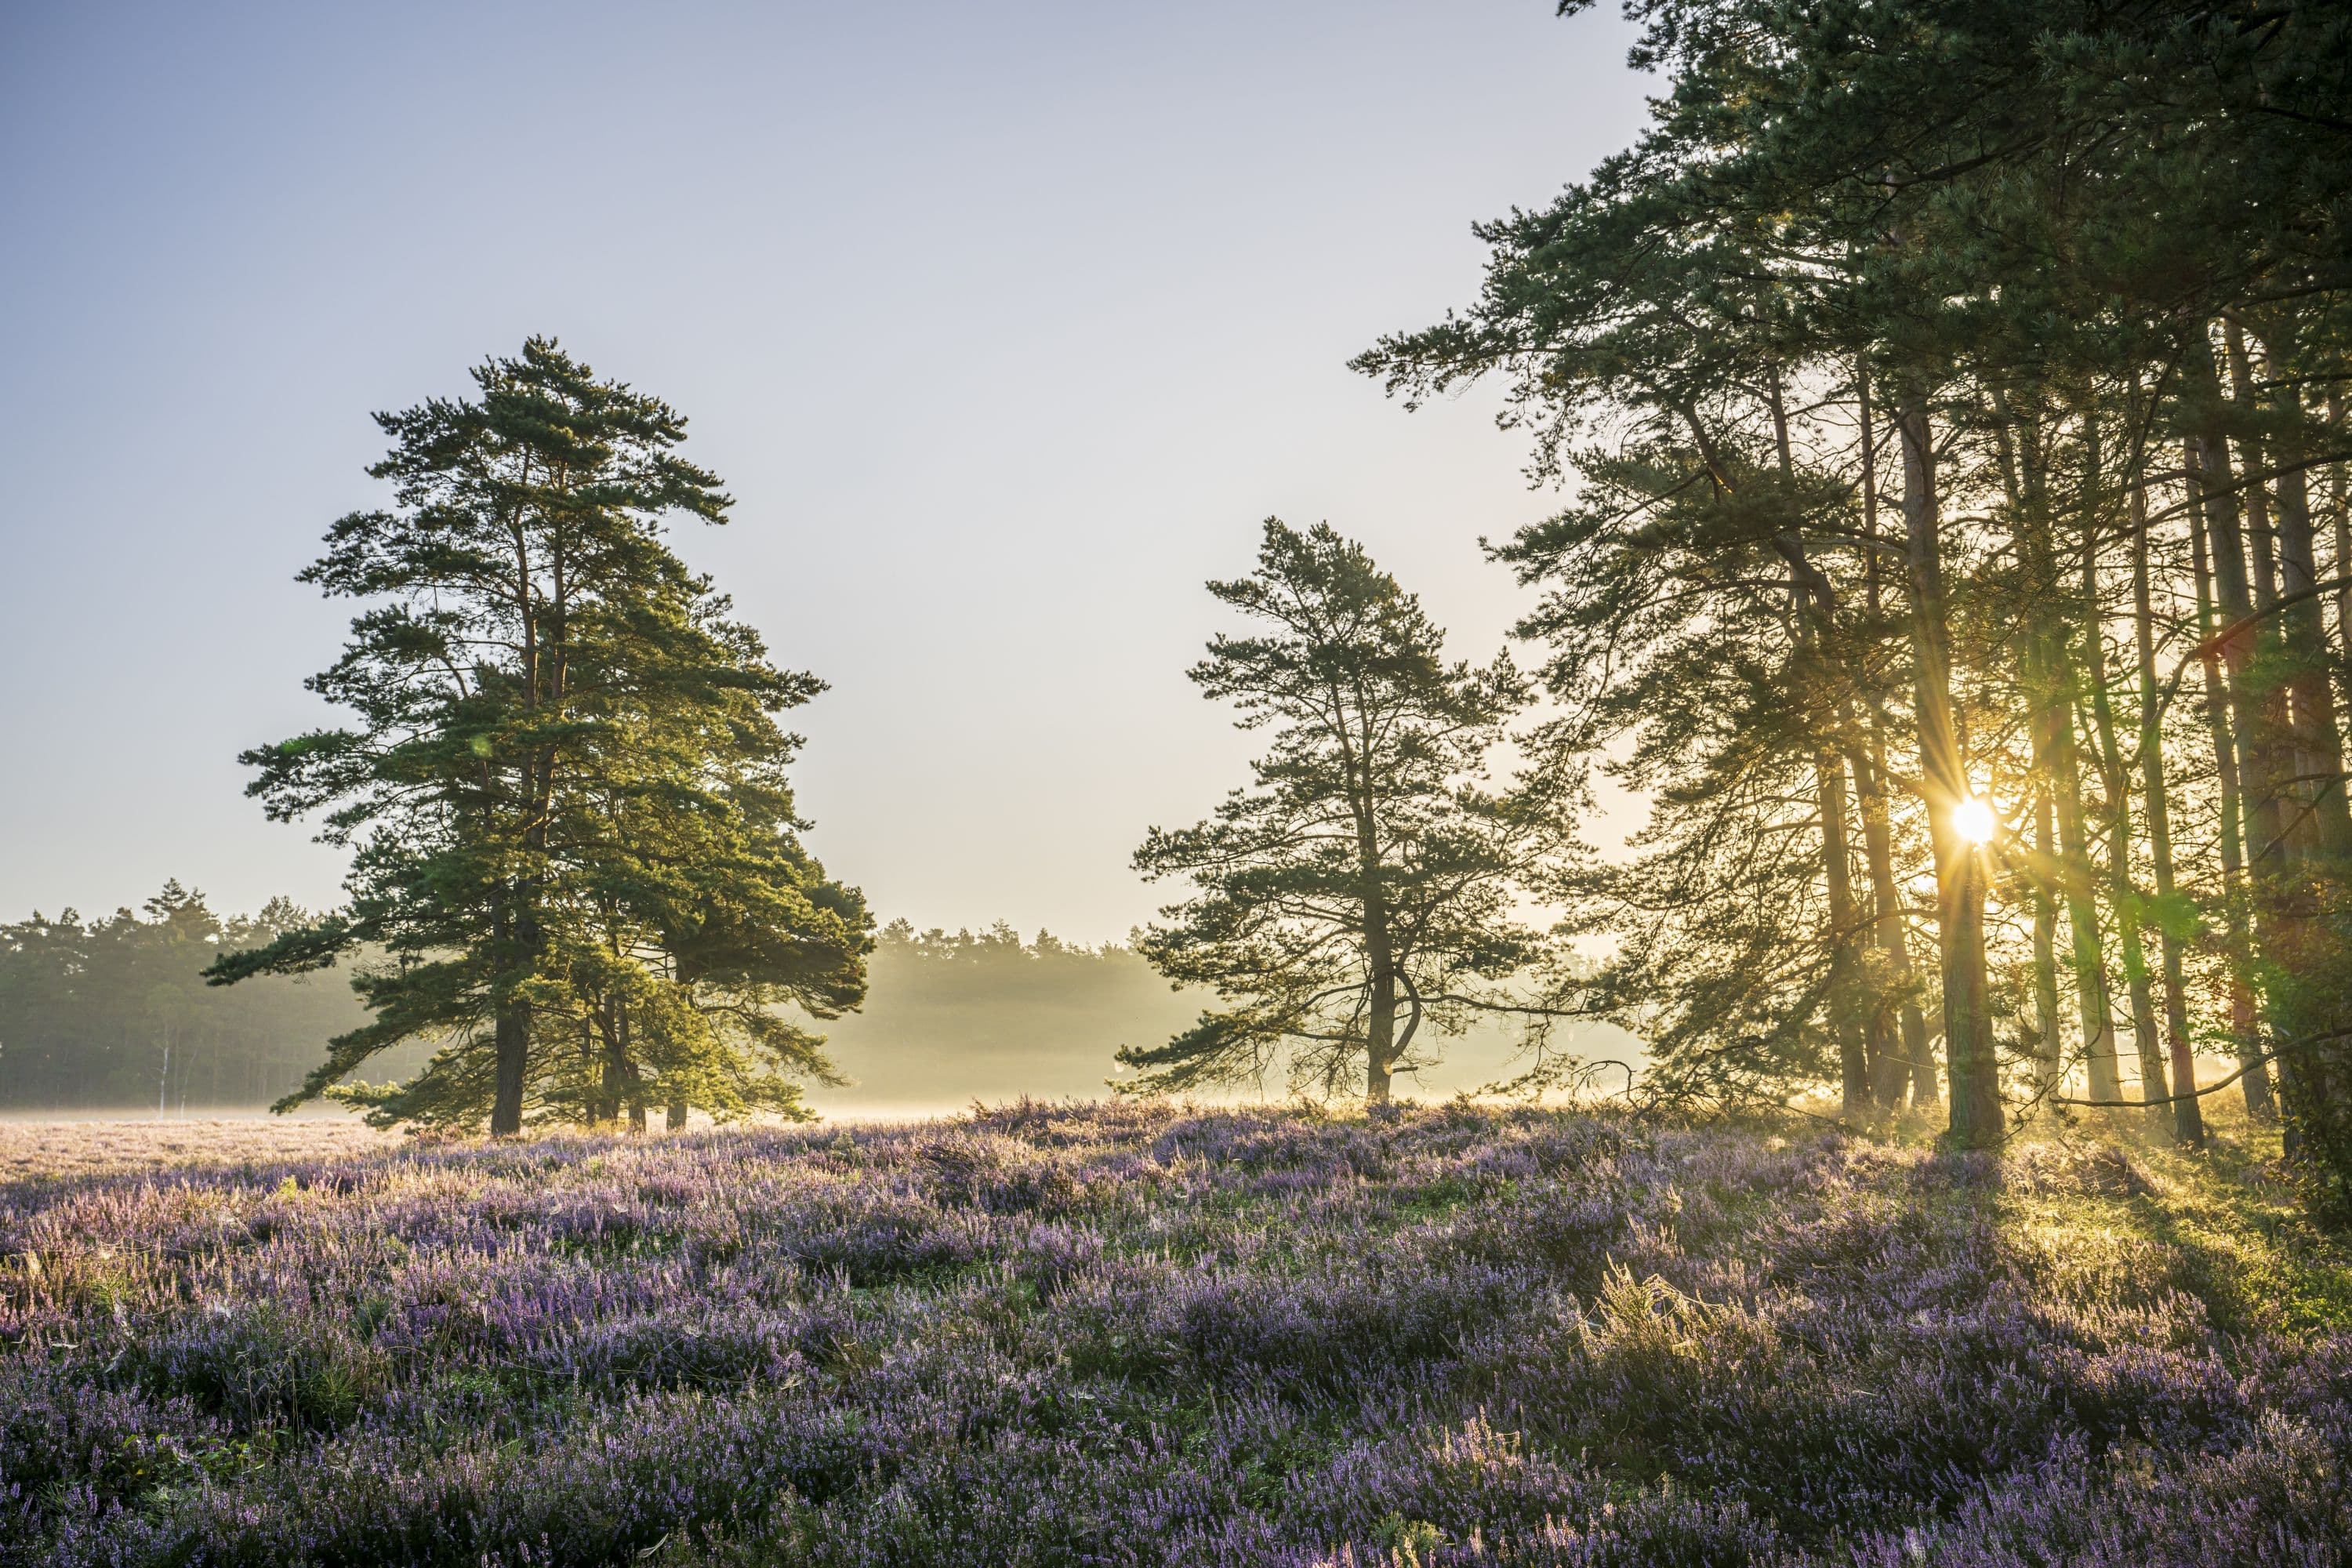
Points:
x=1354 y=902
x=564 y=787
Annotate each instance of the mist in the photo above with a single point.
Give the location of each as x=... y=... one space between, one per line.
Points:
x=109 y=1018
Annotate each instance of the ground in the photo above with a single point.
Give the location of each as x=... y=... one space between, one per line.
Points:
x=1152 y=1334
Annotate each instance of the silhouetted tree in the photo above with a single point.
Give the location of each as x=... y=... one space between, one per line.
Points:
x=2068 y=284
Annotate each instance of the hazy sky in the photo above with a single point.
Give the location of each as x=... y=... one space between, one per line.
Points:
x=1004 y=322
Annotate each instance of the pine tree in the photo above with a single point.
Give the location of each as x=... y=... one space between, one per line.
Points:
x=564 y=775
x=1354 y=902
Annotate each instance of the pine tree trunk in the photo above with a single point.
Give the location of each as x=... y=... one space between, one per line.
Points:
x=1821 y=694
x=2233 y=603
x=1976 y=1114
x=2187 y=1114
x=2259 y=535
x=2046 y=930
x=1916 y=1065
x=512 y=1042
x=2253 y=1072
x=2262 y=550
x=2304 y=635
x=2030 y=531
x=2122 y=895
x=1380 y=1037
x=1845 y=1019
x=2339 y=511
x=2263 y=732
x=520 y=951
x=2093 y=1008
x=1380 y=959
x=1901 y=1060
x=2147 y=1038
x=2046 y=870
x=608 y=1075
x=622 y=1086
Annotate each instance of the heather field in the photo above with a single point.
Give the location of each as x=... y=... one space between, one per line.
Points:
x=1144 y=1334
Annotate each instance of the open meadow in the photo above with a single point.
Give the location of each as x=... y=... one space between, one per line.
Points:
x=1140 y=1334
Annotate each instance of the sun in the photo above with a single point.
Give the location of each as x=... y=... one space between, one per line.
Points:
x=1973 y=820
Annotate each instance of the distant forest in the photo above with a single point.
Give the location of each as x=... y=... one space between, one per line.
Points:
x=113 y=1015
x=951 y=1016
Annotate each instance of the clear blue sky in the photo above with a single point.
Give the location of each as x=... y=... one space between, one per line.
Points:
x=1004 y=322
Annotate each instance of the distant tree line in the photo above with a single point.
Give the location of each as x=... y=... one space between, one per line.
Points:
x=952 y=1016
x=114 y=1014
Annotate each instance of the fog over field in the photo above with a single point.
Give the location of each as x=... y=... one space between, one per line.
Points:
x=949 y=1018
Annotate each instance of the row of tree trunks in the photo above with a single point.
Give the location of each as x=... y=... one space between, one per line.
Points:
x=2271 y=687
x=2249 y=713
x=2285 y=829
x=2272 y=684
x=1900 y=1054
x=2305 y=868
x=2048 y=671
x=1848 y=1008
x=2238 y=930
x=2045 y=924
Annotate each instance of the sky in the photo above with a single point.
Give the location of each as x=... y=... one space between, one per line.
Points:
x=1005 y=324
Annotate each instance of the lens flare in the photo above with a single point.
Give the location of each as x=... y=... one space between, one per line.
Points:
x=1972 y=819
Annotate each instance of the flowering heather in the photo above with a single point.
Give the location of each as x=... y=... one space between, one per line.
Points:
x=1147 y=1334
